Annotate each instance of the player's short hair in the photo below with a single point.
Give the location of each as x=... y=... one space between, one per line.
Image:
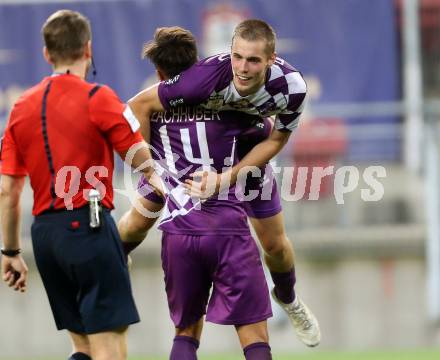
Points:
x=172 y=50
x=65 y=35
x=255 y=29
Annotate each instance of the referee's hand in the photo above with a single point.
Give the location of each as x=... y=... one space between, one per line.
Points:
x=14 y=272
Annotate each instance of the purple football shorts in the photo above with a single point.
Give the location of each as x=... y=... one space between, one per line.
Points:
x=231 y=264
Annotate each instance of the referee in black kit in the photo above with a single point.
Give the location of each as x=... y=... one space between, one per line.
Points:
x=62 y=133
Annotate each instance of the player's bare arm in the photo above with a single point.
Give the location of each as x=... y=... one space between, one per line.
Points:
x=262 y=152
x=204 y=185
x=14 y=269
x=143 y=105
x=134 y=225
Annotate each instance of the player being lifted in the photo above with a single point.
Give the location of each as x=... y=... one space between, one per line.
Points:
x=250 y=80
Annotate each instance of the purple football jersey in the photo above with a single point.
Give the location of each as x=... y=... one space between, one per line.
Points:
x=185 y=139
x=209 y=83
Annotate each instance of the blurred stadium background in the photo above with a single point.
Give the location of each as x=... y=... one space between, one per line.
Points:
x=370 y=270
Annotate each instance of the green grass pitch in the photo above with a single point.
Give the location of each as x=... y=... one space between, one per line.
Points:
x=317 y=355
x=310 y=355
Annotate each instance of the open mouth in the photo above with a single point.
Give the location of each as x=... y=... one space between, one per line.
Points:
x=243 y=79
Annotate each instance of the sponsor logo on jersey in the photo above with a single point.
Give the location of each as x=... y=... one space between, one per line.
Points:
x=172 y=80
x=268 y=107
x=215 y=102
x=241 y=104
x=175 y=102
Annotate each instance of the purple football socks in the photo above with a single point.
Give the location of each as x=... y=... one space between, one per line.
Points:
x=284 y=283
x=257 y=351
x=184 y=348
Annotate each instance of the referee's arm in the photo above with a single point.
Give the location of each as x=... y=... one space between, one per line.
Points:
x=13 y=268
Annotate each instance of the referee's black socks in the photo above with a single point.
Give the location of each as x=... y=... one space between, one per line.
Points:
x=79 y=356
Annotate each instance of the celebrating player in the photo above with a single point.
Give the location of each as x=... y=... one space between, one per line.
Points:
x=211 y=246
x=266 y=215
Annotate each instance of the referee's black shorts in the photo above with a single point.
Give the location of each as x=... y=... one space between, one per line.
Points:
x=84 y=272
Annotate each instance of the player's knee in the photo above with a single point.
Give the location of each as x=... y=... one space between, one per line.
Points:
x=253 y=333
x=193 y=330
x=189 y=331
x=274 y=250
x=259 y=337
x=270 y=237
x=276 y=246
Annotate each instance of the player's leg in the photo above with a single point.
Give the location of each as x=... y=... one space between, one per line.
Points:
x=109 y=345
x=278 y=249
x=240 y=296
x=193 y=330
x=265 y=213
x=278 y=254
x=81 y=347
x=268 y=222
x=254 y=340
x=186 y=342
x=134 y=224
x=187 y=284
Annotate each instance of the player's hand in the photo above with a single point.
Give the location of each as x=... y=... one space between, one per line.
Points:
x=205 y=184
x=14 y=272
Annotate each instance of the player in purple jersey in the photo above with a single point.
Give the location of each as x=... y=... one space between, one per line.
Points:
x=254 y=81
x=211 y=246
